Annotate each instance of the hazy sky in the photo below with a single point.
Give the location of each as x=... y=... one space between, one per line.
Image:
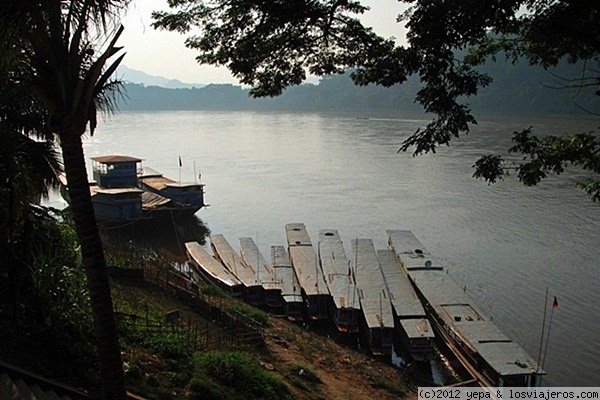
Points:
x=163 y=53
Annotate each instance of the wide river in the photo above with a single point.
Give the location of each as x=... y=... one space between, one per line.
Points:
x=506 y=243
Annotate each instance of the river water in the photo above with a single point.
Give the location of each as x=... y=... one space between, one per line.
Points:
x=506 y=243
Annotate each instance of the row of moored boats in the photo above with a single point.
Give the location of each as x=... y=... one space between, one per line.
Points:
x=401 y=294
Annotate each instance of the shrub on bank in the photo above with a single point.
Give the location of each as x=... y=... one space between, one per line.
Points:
x=234 y=375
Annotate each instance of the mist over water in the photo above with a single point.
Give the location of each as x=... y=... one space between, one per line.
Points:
x=505 y=242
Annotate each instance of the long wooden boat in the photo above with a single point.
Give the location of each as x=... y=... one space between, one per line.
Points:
x=265 y=274
x=304 y=261
x=344 y=306
x=211 y=270
x=410 y=319
x=223 y=252
x=291 y=292
x=374 y=297
x=491 y=357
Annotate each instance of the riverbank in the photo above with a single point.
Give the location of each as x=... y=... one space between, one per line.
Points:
x=311 y=366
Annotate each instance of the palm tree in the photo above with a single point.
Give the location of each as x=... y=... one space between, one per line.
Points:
x=28 y=170
x=58 y=42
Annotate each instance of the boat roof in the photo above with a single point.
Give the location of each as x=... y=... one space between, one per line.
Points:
x=230 y=258
x=310 y=278
x=210 y=264
x=411 y=251
x=457 y=309
x=304 y=260
x=112 y=159
x=417 y=327
x=290 y=289
x=113 y=191
x=152 y=200
x=374 y=297
x=337 y=270
x=402 y=294
x=297 y=235
x=252 y=256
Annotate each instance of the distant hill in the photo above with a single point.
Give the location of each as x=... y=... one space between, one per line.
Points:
x=139 y=77
x=517 y=90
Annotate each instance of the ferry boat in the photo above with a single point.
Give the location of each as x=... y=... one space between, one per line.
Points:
x=492 y=358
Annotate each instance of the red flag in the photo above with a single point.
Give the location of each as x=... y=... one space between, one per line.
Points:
x=555 y=303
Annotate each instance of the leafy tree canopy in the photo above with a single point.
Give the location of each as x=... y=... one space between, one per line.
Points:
x=271 y=45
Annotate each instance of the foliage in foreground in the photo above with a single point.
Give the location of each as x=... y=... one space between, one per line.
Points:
x=234 y=375
x=58 y=277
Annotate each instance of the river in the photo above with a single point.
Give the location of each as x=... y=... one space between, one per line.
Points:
x=505 y=242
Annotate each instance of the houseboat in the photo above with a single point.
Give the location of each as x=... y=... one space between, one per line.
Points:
x=344 y=307
x=304 y=261
x=123 y=191
x=293 y=304
x=410 y=321
x=493 y=359
x=265 y=274
x=211 y=270
x=374 y=297
x=187 y=197
x=223 y=252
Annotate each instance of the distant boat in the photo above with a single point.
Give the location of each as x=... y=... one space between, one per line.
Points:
x=123 y=191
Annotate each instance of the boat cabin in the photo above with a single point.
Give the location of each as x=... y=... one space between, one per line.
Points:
x=117 y=205
x=116 y=171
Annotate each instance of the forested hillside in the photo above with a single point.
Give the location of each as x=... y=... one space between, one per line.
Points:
x=516 y=90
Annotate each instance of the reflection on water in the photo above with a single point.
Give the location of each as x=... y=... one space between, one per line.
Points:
x=165 y=236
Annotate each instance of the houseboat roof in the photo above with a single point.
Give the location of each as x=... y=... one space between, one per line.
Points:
x=112 y=159
x=290 y=289
x=252 y=256
x=114 y=191
x=230 y=258
x=403 y=297
x=374 y=297
x=159 y=182
x=455 y=307
x=337 y=270
x=152 y=200
x=210 y=265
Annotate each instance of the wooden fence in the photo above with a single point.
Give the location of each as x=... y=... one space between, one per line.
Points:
x=227 y=329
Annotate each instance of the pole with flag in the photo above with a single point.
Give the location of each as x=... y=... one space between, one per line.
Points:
x=538 y=369
x=554 y=305
x=180 y=165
